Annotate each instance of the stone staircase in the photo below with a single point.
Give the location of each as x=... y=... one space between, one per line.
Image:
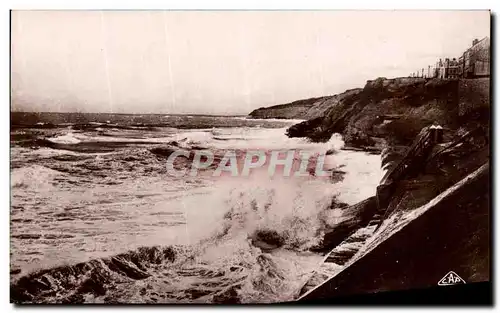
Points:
x=335 y=260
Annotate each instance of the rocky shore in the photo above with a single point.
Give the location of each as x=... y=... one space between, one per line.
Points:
x=435 y=219
x=386 y=117
x=416 y=248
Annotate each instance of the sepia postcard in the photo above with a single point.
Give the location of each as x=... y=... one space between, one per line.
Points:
x=248 y=157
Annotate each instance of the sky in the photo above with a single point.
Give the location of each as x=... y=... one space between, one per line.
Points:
x=219 y=62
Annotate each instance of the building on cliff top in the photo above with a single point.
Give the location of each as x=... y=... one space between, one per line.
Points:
x=448 y=69
x=475 y=61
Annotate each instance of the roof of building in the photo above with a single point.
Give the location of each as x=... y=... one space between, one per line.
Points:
x=479 y=42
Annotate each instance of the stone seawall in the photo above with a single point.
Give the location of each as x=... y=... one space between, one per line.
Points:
x=453 y=235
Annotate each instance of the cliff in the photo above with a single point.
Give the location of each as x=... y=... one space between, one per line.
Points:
x=391 y=112
x=439 y=177
x=300 y=109
x=392 y=116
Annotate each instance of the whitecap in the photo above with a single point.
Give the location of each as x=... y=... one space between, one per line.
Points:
x=68 y=138
x=34 y=177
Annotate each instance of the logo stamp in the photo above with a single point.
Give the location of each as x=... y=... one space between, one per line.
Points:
x=451 y=278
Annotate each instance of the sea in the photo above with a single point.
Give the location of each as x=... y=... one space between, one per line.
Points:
x=90 y=187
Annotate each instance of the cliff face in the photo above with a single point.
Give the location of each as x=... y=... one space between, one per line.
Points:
x=391 y=115
x=301 y=109
x=391 y=112
x=387 y=114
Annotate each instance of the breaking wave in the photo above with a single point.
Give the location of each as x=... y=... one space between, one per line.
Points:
x=256 y=250
x=69 y=138
x=208 y=241
x=33 y=177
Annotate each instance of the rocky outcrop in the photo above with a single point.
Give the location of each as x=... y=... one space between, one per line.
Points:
x=385 y=109
x=359 y=214
x=387 y=114
x=301 y=109
x=391 y=115
x=71 y=284
x=294 y=110
x=428 y=178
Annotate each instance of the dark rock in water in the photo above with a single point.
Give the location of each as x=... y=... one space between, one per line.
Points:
x=361 y=214
x=271 y=237
x=197 y=293
x=69 y=284
x=163 y=151
x=264 y=246
x=198 y=148
x=15 y=271
x=337 y=176
x=95 y=284
x=267 y=240
x=126 y=267
x=229 y=296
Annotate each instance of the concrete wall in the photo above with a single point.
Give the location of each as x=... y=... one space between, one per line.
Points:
x=454 y=235
x=473 y=94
